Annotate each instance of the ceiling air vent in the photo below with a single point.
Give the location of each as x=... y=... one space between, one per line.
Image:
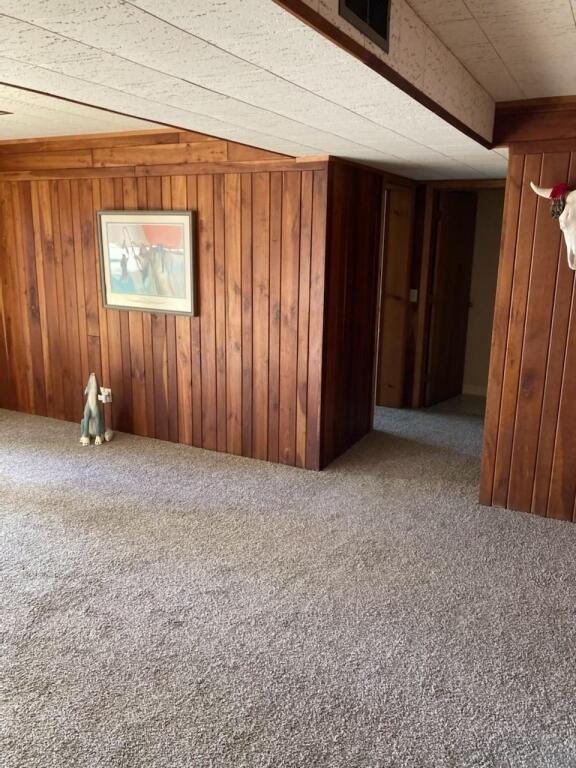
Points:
x=372 y=17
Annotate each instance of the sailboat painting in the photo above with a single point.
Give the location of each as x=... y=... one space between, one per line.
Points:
x=147 y=260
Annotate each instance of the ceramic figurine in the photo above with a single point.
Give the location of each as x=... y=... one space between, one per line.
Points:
x=93 y=425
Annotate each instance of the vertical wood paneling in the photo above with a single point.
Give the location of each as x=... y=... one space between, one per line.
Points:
x=180 y=202
x=135 y=337
x=55 y=330
x=353 y=254
x=206 y=271
x=195 y=335
x=528 y=461
x=233 y=303
x=159 y=342
x=562 y=312
x=247 y=325
x=66 y=356
x=306 y=214
x=36 y=371
x=540 y=303
x=515 y=332
x=316 y=322
x=8 y=302
x=563 y=476
x=147 y=345
x=102 y=312
x=512 y=201
x=220 y=311
x=80 y=289
x=116 y=372
x=41 y=294
x=289 y=288
x=171 y=359
x=275 y=313
x=261 y=307
x=244 y=376
x=20 y=274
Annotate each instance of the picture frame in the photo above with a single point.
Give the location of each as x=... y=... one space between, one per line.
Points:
x=148 y=261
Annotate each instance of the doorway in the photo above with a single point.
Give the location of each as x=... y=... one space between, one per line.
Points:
x=440 y=263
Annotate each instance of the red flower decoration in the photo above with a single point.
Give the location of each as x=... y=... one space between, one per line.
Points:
x=560 y=190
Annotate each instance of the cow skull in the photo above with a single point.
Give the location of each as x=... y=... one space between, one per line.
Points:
x=564 y=209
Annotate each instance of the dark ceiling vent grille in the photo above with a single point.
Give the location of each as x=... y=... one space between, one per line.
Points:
x=372 y=17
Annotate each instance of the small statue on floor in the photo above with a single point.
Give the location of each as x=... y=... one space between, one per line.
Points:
x=93 y=424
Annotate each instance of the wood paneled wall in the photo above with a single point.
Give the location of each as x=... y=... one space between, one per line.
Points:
x=249 y=374
x=353 y=257
x=529 y=459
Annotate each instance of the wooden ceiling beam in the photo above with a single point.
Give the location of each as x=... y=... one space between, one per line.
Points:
x=550 y=119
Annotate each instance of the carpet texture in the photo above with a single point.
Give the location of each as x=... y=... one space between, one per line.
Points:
x=167 y=607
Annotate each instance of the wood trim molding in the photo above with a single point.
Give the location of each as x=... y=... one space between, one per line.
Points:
x=184 y=169
x=94 y=140
x=318 y=22
x=535 y=120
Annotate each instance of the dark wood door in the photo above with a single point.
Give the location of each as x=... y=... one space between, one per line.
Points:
x=394 y=307
x=449 y=301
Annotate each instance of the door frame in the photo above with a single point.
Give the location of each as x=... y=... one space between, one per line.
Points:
x=426 y=273
x=381 y=256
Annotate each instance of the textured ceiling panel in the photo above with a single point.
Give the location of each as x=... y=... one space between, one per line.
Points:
x=515 y=48
x=248 y=72
x=33 y=115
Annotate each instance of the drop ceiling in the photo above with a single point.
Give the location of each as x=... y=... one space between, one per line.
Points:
x=247 y=71
x=34 y=114
x=516 y=49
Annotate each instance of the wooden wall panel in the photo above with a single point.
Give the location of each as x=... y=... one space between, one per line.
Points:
x=278 y=363
x=529 y=462
x=353 y=255
x=244 y=376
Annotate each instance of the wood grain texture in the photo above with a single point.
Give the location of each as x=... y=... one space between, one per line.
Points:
x=351 y=275
x=529 y=462
x=535 y=120
x=395 y=306
x=245 y=375
x=453 y=253
x=137 y=154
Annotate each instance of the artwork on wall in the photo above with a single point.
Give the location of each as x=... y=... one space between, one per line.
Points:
x=148 y=261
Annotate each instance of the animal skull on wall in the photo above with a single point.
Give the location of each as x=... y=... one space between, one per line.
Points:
x=564 y=209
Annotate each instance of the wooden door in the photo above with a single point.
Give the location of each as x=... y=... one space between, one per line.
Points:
x=394 y=307
x=449 y=300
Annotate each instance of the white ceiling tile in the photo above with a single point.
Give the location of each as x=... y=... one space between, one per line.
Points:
x=249 y=72
x=438 y=11
x=519 y=34
x=461 y=33
x=488 y=9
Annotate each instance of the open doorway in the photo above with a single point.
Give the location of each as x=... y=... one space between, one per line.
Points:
x=440 y=263
x=462 y=294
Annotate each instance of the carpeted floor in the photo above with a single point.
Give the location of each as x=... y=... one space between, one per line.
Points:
x=166 y=607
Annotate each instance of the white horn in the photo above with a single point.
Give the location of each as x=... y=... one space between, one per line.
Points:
x=542 y=191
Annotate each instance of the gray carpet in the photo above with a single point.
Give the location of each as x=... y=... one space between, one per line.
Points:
x=168 y=607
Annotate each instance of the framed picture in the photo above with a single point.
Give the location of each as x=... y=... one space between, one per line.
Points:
x=148 y=261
